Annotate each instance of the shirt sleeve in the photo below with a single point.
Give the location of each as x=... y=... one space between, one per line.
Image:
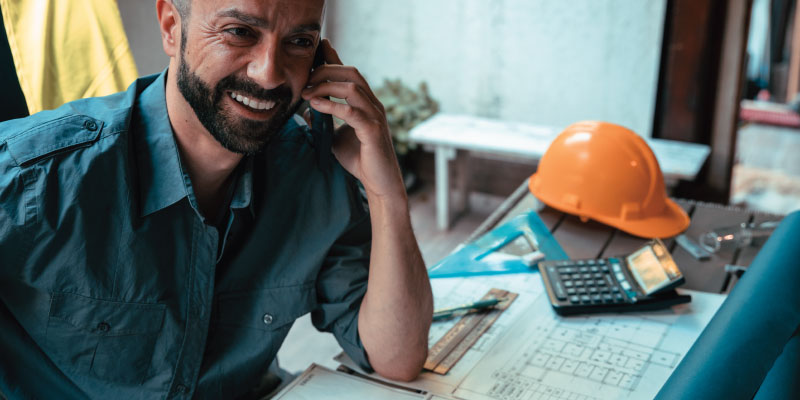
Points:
x=12 y=215
x=342 y=282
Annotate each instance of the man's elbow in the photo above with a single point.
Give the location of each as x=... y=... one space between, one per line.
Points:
x=404 y=370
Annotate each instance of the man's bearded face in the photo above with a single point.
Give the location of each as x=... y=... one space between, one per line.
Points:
x=234 y=131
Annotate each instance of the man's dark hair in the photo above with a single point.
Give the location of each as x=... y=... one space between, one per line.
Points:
x=183 y=7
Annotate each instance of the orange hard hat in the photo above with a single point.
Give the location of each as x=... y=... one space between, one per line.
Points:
x=608 y=173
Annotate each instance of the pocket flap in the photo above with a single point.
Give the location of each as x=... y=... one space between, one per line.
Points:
x=54 y=136
x=266 y=309
x=111 y=318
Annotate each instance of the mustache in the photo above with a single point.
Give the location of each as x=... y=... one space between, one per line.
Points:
x=251 y=89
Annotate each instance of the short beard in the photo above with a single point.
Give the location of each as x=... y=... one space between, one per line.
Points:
x=235 y=133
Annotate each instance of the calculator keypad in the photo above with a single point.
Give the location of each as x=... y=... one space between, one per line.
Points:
x=589 y=282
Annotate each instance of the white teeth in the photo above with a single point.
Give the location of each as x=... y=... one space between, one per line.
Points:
x=252 y=103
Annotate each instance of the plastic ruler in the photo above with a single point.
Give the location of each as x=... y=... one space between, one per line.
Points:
x=460 y=338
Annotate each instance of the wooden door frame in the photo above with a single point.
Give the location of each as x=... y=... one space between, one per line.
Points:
x=700 y=84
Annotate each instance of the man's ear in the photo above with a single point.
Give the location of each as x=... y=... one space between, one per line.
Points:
x=170 y=23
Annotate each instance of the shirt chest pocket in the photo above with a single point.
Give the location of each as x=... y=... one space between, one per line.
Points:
x=111 y=340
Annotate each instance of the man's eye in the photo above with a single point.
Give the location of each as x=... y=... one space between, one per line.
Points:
x=239 y=32
x=302 y=42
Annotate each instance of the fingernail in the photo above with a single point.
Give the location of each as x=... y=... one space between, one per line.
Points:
x=315 y=101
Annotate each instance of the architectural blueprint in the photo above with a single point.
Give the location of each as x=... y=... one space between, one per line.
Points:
x=626 y=356
x=532 y=353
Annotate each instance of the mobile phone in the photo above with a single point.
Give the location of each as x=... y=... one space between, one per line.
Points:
x=321 y=124
x=643 y=280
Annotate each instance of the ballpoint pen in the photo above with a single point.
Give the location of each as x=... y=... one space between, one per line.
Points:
x=478 y=305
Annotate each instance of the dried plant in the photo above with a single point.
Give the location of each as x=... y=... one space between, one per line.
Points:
x=405 y=109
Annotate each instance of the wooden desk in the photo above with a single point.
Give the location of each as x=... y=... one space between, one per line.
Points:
x=595 y=240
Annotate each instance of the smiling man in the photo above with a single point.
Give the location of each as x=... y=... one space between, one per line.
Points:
x=159 y=243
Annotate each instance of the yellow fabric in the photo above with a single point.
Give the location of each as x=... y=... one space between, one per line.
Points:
x=64 y=50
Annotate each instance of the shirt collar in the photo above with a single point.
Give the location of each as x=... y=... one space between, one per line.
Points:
x=243 y=191
x=161 y=177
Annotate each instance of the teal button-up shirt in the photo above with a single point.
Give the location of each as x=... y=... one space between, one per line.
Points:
x=113 y=285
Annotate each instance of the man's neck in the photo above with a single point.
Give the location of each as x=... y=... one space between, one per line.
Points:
x=208 y=164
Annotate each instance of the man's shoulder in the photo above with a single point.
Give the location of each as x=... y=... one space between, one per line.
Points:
x=74 y=125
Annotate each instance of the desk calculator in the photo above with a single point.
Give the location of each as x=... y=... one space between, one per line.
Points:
x=644 y=280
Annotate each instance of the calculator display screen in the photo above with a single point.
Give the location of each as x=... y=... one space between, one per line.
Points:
x=652 y=267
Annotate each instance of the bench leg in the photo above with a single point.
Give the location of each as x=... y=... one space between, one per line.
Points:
x=462 y=182
x=442 y=156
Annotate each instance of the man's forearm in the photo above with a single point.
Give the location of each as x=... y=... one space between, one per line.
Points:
x=395 y=315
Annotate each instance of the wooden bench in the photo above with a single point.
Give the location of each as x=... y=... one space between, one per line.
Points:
x=595 y=240
x=446 y=134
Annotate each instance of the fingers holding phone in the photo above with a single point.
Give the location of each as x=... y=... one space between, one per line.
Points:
x=364 y=146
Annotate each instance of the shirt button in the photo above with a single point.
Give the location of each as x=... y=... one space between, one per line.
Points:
x=103 y=327
x=268 y=318
x=90 y=125
x=181 y=388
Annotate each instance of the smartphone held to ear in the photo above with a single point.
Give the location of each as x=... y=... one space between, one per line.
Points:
x=321 y=124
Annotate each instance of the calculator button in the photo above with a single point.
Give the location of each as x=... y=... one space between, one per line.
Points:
x=588 y=282
x=581 y=262
x=616 y=267
x=585 y=298
x=558 y=286
x=578 y=283
x=599 y=282
x=571 y=290
x=605 y=289
x=597 y=275
x=568 y=284
x=594 y=268
x=615 y=289
x=583 y=269
x=625 y=285
x=607 y=298
x=567 y=270
x=619 y=276
x=593 y=290
x=586 y=276
x=574 y=299
x=576 y=276
x=596 y=298
x=565 y=276
x=618 y=298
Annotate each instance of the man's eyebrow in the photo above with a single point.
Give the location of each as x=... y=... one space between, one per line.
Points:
x=259 y=22
x=314 y=27
x=248 y=19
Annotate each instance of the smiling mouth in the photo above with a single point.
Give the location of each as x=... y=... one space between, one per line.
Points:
x=253 y=104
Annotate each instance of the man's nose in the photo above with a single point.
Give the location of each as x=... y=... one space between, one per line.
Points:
x=266 y=67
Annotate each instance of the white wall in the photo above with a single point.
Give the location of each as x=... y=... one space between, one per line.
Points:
x=548 y=62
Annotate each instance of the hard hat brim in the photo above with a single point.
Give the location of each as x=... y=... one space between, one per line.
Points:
x=670 y=222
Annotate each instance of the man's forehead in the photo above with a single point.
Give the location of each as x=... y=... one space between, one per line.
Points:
x=265 y=11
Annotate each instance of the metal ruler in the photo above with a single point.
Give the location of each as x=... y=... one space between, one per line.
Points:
x=460 y=338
